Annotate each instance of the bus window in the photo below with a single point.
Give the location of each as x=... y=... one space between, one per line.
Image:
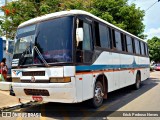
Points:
x=133 y=45
x=85 y=47
x=104 y=36
x=129 y=44
x=123 y=41
x=118 y=40
x=137 y=49
x=96 y=25
x=146 y=49
x=86 y=44
x=142 y=48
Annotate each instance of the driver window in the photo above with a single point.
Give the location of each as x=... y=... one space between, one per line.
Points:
x=85 y=47
x=86 y=44
x=87 y=37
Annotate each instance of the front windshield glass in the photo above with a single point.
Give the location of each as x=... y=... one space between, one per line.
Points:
x=24 y=44
x=24 y=39
x=53 y=38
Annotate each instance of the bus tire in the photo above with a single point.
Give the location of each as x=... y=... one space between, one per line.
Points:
x=97 y=99
x=138 y=82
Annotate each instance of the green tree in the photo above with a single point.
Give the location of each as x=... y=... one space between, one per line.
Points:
x=19 y=11
x=154 y=49
x=117 y=12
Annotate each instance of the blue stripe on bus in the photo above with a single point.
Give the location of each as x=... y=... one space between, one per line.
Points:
x=114 y=66
x=103 y=67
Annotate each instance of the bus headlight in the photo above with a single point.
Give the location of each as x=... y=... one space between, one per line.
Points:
x=60 y=80
x=16 y=79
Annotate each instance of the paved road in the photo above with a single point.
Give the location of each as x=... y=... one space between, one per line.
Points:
x=148 y=101
x=126 y=99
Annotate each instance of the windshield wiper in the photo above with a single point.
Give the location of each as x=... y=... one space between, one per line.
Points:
x=38 y=52
x=40 y=55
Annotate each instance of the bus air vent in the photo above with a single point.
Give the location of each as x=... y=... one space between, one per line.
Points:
x=36 y=81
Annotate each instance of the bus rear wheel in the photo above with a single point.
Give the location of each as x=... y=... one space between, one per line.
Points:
x=138 y=82
x=97 y=100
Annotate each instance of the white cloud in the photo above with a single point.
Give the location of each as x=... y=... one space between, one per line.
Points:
x=153 y=32
x=1 y=3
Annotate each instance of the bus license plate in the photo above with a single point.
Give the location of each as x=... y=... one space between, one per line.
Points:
x=37 y=98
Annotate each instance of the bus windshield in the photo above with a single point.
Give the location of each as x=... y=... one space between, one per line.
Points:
x=53 y=38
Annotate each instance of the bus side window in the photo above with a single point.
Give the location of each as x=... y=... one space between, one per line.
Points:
x=87 y=40
x=104 y=36
x=142 y=48
x=123 y=41
x=137 y=46
x=86 y=44
x=113 y=38
x=147 y=54
x=118 y=40
x=129 y=44
x=96 y=25
x=133 y=45
x=85 y=47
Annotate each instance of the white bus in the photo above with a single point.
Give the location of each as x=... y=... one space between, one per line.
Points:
x=73 y=56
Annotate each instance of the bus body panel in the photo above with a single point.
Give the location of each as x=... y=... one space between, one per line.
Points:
x=69 y=71
x=79 y=89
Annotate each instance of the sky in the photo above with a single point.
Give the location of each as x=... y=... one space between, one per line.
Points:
x=151 y=19
x=152 y=16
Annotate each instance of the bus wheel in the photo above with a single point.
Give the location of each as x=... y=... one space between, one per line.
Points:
x=138 y=82
x=97 y=100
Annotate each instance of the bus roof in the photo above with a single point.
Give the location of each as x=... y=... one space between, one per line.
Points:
x=71 y=12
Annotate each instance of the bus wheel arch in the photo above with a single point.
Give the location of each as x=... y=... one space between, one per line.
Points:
x=138 y=80
x=103 y=79
x=99 y=91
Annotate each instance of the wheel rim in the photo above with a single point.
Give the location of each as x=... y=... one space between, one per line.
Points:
x=98 y=94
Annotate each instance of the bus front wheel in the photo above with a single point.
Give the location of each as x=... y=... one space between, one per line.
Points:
x=97 y=100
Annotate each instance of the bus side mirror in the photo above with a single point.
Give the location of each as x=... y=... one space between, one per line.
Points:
x=79 y=35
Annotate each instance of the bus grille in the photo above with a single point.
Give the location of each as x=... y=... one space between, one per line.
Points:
x=33 y=73
x=36 y=81
x=40 y=92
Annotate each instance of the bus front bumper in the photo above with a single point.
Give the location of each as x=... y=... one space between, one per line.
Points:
x=57 y=92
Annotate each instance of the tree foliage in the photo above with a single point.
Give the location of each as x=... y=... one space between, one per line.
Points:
x=19 y=11
x=117 y=12
x=154 y=49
